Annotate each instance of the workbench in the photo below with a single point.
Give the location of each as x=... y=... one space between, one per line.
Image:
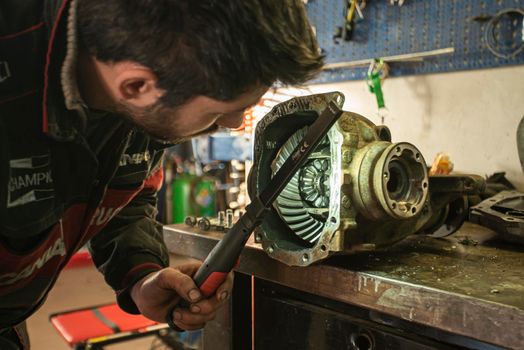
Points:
x=463 y=291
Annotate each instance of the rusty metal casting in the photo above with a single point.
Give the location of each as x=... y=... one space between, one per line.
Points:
x=358 y=191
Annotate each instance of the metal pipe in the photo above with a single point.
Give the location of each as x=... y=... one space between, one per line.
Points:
x=416 y=56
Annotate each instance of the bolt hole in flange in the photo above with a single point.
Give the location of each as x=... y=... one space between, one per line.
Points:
x=362 y=341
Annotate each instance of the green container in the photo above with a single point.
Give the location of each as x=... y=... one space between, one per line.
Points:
x=193 y=195
x=205 y=197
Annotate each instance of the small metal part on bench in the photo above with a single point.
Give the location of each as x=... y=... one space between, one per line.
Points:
x=221 y=218
x=204 y=224
x=209 y=224
x=503 y=213
x=229 y=219
x=191 y=221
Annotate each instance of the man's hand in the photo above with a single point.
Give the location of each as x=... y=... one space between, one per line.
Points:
x=158 y=292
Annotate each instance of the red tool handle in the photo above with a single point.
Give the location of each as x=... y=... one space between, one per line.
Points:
x=213 y=281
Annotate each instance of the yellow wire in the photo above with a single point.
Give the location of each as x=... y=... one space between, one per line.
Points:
x=351 y=11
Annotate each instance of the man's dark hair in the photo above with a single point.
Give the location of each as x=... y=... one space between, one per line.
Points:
x=214 y=48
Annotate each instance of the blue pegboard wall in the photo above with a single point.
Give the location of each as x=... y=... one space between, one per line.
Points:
x=417 y=26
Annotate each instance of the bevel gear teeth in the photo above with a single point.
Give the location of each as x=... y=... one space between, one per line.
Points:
x=309 y=188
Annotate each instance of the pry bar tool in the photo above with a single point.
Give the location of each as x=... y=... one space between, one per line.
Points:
x=225 y=255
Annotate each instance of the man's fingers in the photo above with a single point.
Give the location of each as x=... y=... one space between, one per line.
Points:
x=201 y=310
x=189 y=268
x=185 y=318
x=224 y=291
x=205 y=306
x=185 y=286
x=181 y=283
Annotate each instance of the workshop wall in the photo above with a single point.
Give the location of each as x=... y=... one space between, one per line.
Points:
x=448 y=35
x=471 y=115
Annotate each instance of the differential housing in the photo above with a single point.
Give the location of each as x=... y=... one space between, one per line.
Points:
x=357 y=191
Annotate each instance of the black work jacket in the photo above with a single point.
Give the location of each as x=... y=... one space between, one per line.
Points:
x=67 y=177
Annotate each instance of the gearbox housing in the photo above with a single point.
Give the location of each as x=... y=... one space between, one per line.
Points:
x=357 y=191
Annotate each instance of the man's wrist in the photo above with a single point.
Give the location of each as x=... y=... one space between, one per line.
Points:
x=135 y=289
x=131 y=288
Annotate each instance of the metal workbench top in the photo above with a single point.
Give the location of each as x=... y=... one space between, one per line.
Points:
x=469 y=283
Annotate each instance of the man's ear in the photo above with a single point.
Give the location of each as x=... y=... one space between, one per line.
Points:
x=137 y=85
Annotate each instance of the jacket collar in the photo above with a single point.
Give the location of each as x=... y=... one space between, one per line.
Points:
x=62 y=109
x=73 y=99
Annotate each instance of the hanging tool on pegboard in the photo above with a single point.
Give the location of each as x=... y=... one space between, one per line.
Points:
x=345 y=32
x=504 y=33
x=377 y=72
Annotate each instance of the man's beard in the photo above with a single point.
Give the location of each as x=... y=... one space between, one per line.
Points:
x=158 y=121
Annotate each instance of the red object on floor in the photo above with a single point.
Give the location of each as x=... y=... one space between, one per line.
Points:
x=80 y=259
x=102 y=324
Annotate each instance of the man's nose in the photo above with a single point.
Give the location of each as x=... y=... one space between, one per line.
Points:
x=231 y=120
